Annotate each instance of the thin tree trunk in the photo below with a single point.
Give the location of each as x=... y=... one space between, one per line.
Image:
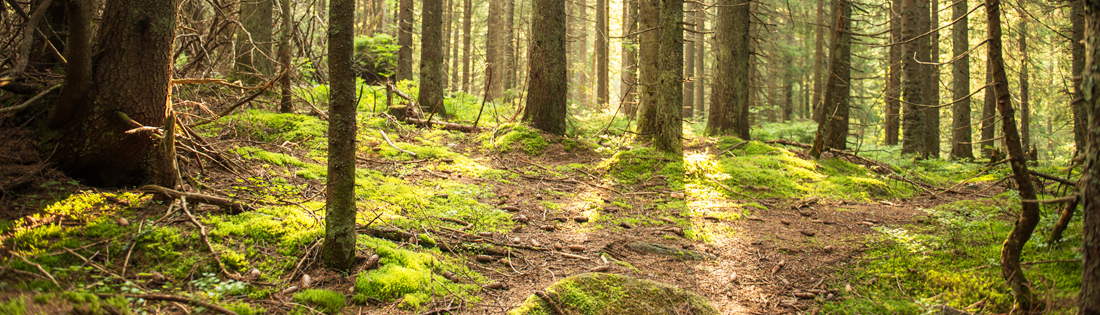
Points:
x=893 y=83
x=253 y=45
x=431 y=58
x=494 y=49
x=603 y=29
x=989 y=112
x=933 y=89
x=961 y=132
x=1025 y=105
x=338 y=251
x=78 y=70
x=405 y=40
x=546 y=109
x=700 y=57
x=509 y=77
x=819 y=56
x=446 y=45
x=689 y=65
x=629 y=73
x=729 y=109
x=670 y=79
x=467 y=37
x=1080 y=114
x=456 y=43
x=648 y=18
x=914 y=76
x=580 y=61
x=1026 y=301
x=285 y=105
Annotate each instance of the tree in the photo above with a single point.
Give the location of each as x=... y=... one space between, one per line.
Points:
x=580 y=52
x=405 y=40
x=453 y=67
x=494 y=49
x=1089 y=297
x=689 y=66
x=431 y=58
x=819 y=55
x=629 y=73
x=1026 y=301
x=893 y=82
x=932 y=110
x=832 y=127
x=670 y=79
x=914 y=14
x=602 y=55
x=960 y=72
x=989 y=112
x=130 y=89
x=1025 y=110
x=285 y=105
x=338 y=251
x=729 y=101
x=700 y=57
x=509 y=77
x=648 y=19
x=546 y=108
x=1077 y=20
x=253 y=43
x=467 y=37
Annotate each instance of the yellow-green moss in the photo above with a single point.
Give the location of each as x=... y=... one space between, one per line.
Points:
x=328 y=301
x=599 y=293
x=408 y=275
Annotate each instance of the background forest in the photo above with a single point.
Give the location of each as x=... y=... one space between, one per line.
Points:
x=549 y=157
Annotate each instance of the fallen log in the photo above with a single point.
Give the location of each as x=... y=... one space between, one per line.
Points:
x=446 y=126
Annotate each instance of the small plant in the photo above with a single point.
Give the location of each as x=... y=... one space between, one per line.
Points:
x=329 y=301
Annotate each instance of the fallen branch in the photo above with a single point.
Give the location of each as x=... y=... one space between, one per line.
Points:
x=242 y=101
x=164 y=297
x=204 y=81
x=446 y=126
x=716 y=182
x=202 y=232
x=32 y=101
x=1060 y=180
x=1069 y=198
x=384 y=136
x=553 y=304
x=912 y=182
x=231 y=206
x=733 y=147
x=40 y=269
x=23 y=180
x=93 y=264
x=412 y=103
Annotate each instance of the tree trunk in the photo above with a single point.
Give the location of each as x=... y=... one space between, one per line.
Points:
x=338 y=251
x=914 y=15
x=729 y=101
x=1025 y=106
x=446 y=45
x=649 y=14
x=494 y=49
x=603 y=29
x=671 y=79
x=580 y=57
x=893 y=82
x=1089 y=297
x=453 y=67
x=629 y=73
x=430 y=97
x=130 y=89
x=285 y=105
x=1026 y=301
x=700 y=57
x=989 y=112
x=508 y=78
x=819 y=56
x=832 y=127
x=253 y=45
x=1080 y=114
x=405 y=40
x=689 y=65
x=933 y=82
x=545 y=109
x=467 y=37
x=961 y=131
x=78 y=70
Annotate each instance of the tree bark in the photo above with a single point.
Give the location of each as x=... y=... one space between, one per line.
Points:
x=729 y=101
x=960 y=112
x=914 y=16
x=700 y=57
x=1025 y=106
x=545 y=109
x=689 y=65
x=580 y=57
x=467 y=37
x=253 y=45
x=1011 y=251
x=285 y=105
x=603 y=29
x=446 y=45
x=338 y=251
x=1089 y=297
x=131 y=84
x=453 y=67
x=671 y=79
x=893 y=82
x=933 y=99
x=431 y=58
x=648 y=19
x=1080 y=114
x=494 y=49
x=819 y=57
x=629 y=73
x=832 y=128
x=989 y=112
x=508 y=79
x=405 y=40
x=78 y=71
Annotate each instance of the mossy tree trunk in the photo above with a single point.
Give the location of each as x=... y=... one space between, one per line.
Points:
x=961 y=132
x=1077 y=51
x=729 y=101
x=629 y=73
x=648 y=19
x=670 y=127
x=545 y=107
x=913 y=16
x=285 y=105
x=338 y=250
x=467 y=38
x=1089 y=298
x=832 y=127
x=603 y=55
x=1012 y=248
x=689 y=64
x=431 y=58
x=989 y=113
x=253 y=44
x=893 y=82
x=130 y=89
x=405 y=40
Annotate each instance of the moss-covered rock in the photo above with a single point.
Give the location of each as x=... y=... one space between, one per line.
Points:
x=602 y=293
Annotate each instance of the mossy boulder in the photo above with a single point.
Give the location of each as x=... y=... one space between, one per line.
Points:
x=603 y=293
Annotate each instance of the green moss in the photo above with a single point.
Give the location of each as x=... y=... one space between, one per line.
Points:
x=407 y=275
x=243 y=308
x=641 y=164
x=330 y=302
x=276 y=127
x=529 y=140
x=14 y=306
x=596 y=293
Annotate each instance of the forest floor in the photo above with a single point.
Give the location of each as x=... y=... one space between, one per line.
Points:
x=497 y=215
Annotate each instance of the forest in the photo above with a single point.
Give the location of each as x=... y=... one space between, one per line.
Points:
x=553 y=157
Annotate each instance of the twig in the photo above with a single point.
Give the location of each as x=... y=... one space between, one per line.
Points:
x=553 y=304
x=133 y=244
x=488 y=81
x=1060 y=180
x=32 y=101
x=164 y=297
x=384 y=136
x=232 y=206
x=40 y=269
x=94 y=265
x=242 y=101
x=716 y=182
x=202 y=232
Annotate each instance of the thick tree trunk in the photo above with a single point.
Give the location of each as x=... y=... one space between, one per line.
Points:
x=467 y=37
x=700 y=57
x=1080 y=114
x=253 y=45
x=405 y=40
x=960 y=112
x=285 y=105
x=1089 y=297
x=914 y=17
x=933 y=82
x=130 y=89
x=832 y=128
x=545 y=109
x=338 y=251
x=430 y=97
x=603 y=29
x=670 y=79
x=1025 y=106
x=689 y=64
x=648 y=18
x=1012 y=249
x=893 y=82
x=446 y=45
x=729 y=101
x=494 y=49
x=629 y=74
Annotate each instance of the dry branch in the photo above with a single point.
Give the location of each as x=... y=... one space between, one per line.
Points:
x=243 y=101
x=231 y=206
x=202 y=232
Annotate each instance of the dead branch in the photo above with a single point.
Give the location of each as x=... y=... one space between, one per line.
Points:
x=243 y=101
x=23 y=180
x=1060 y=180
x=384 y=136
x=445 y=125
x=40 y=269
x=32 y=101
x=229 y=205
x=553 y=304
x=202 y=232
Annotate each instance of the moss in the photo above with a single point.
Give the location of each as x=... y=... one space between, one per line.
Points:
x=641 y=164
x=276 y=127
x=597 y=293
x=407 y=275
x=529 y=140
x=330 y=302
x=14 y=306
x=243 y=308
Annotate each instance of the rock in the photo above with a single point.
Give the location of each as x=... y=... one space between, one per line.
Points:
x=632 y=296
x=254 y=273
x=658 y=249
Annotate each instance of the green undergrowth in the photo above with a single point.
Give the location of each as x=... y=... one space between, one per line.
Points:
x=327 y=301
x=511 y=137
x=600 y=293
x=645 y=164
x=413 y=277
x=304 y=170
x=273 y=127
x=953 y=259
